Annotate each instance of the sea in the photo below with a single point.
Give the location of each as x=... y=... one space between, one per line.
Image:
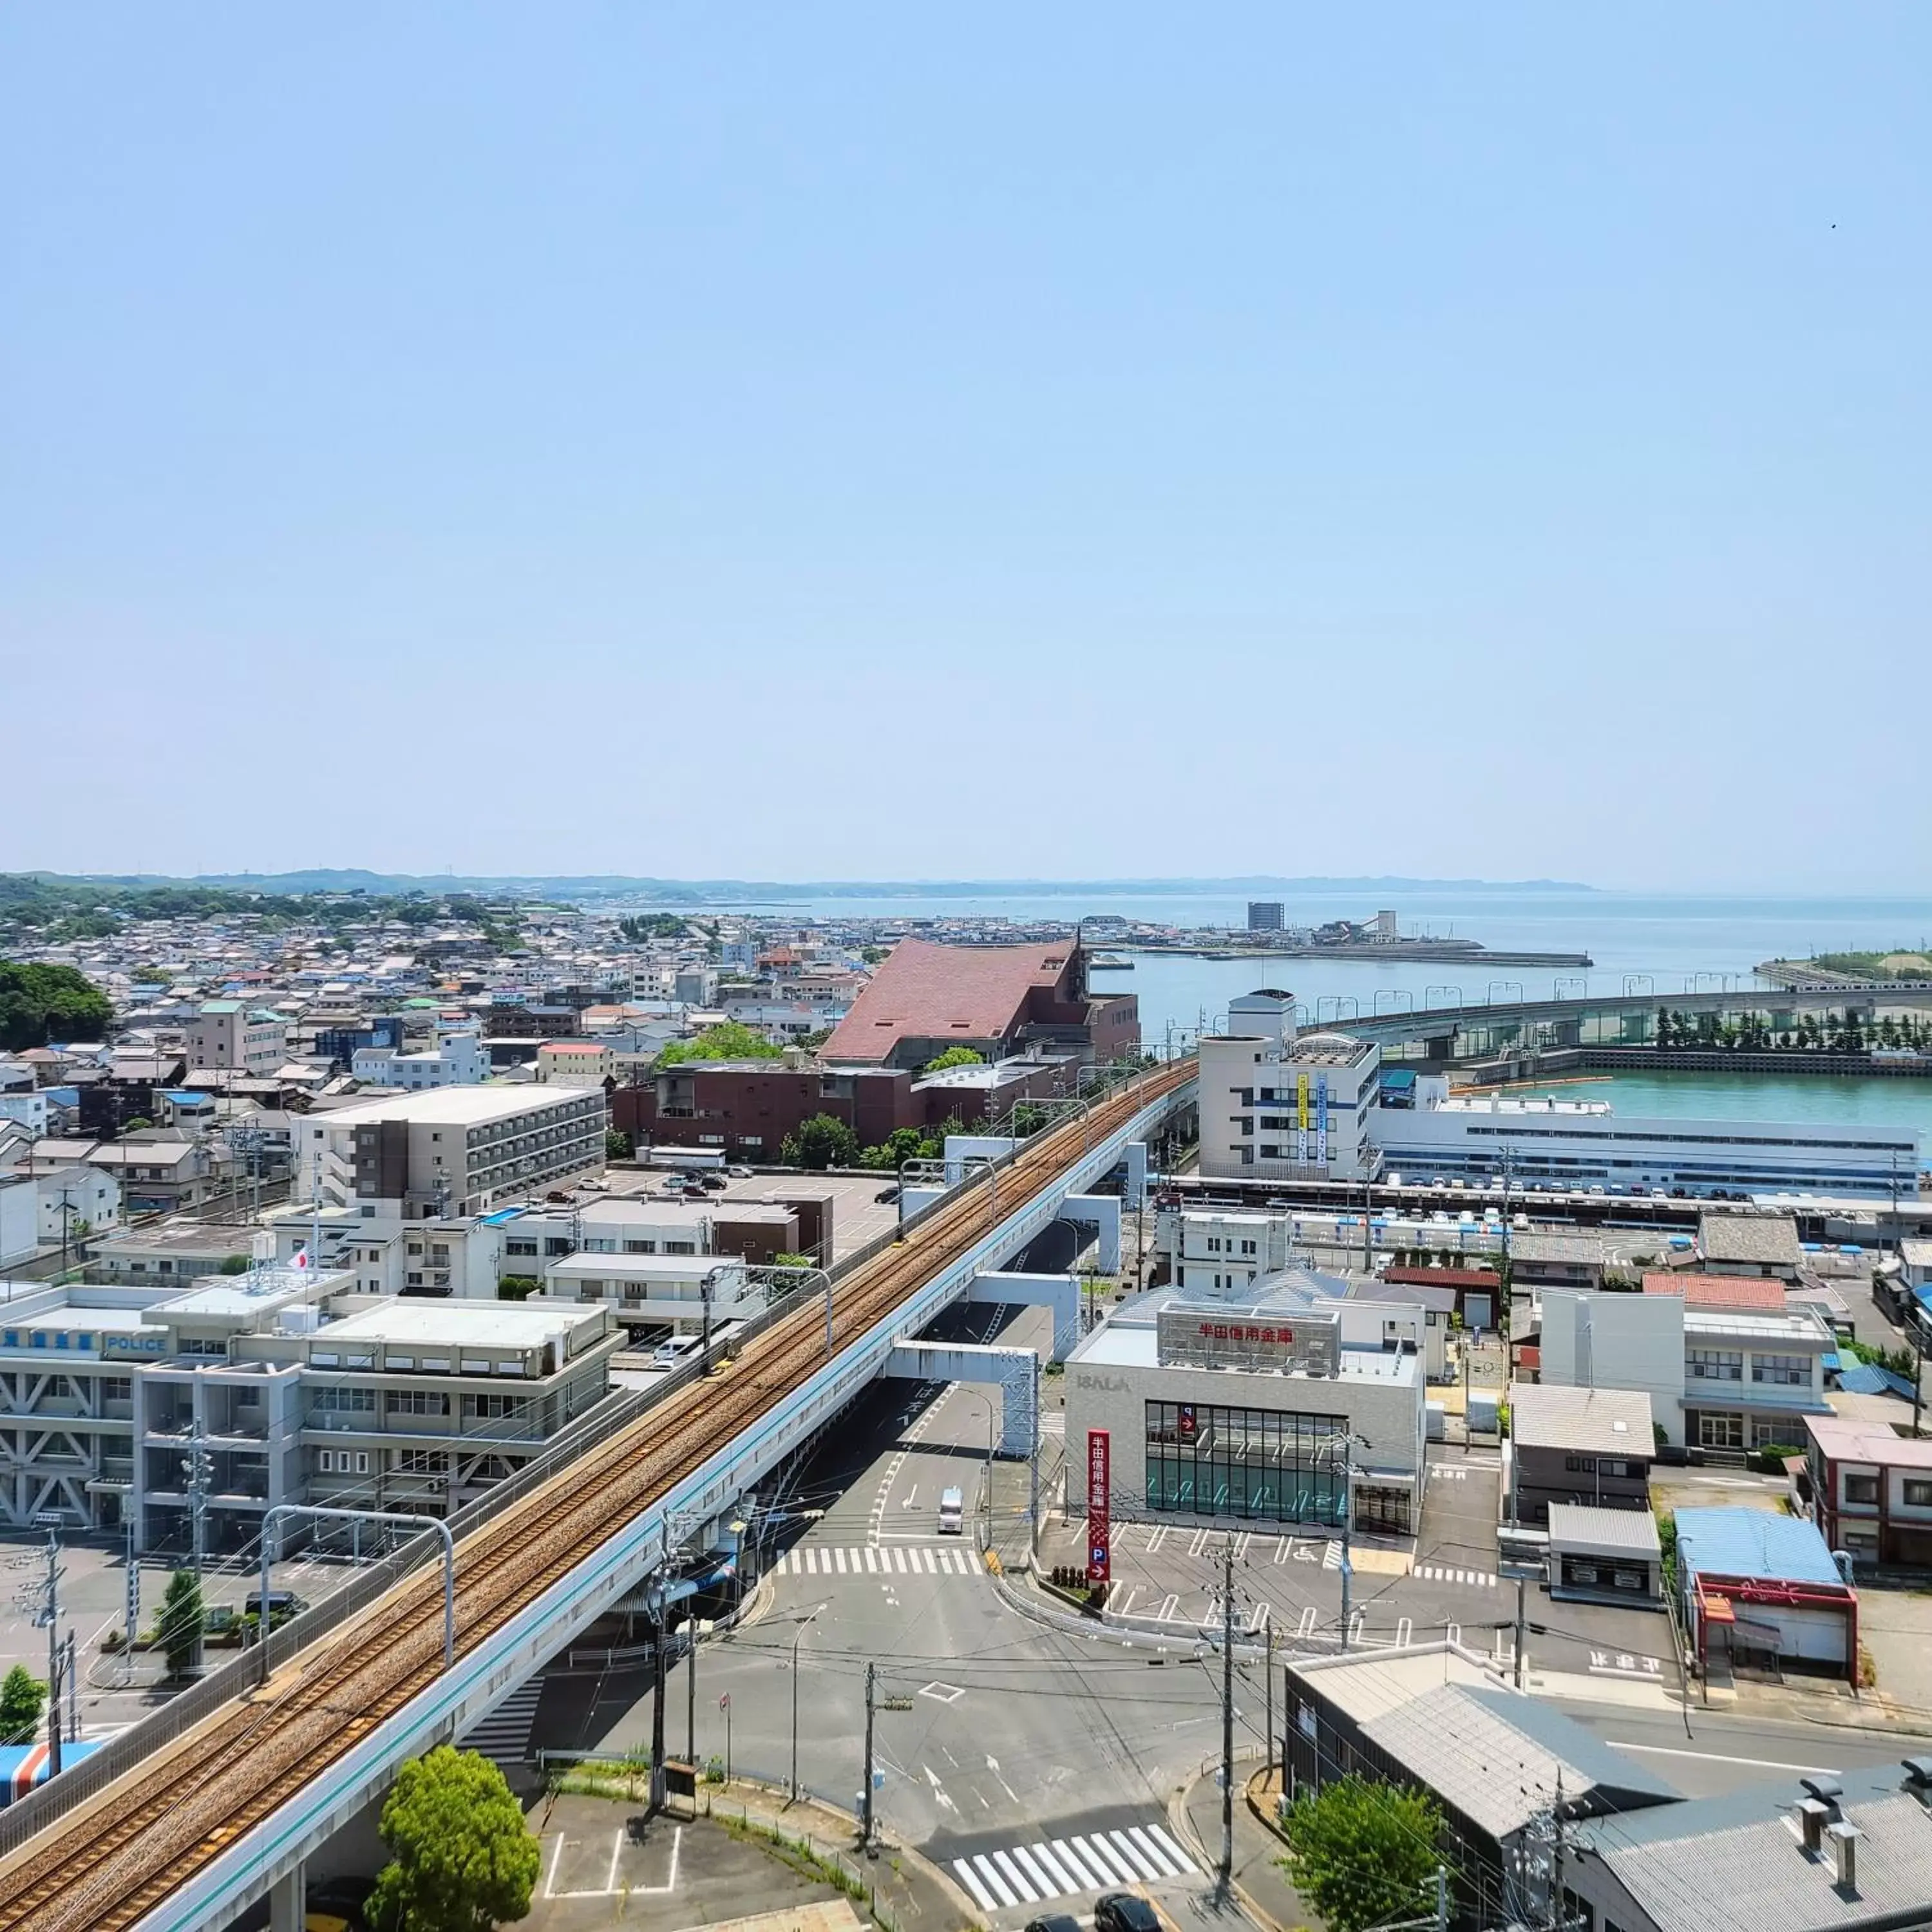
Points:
x=1649 y=943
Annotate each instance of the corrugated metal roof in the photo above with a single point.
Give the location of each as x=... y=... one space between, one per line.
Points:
x=1735 y=1864
x=1584 y=1526
x=1760 y=1544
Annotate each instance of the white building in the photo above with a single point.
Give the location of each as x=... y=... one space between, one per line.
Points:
x=455 y=1151
x=1277 y=1105
x=1716 y=1378
x=457 y=1060
x=28 y=1109
x=1216 y=1410
x=1580 y=1144
x=654 y=1296
x=286 y=1389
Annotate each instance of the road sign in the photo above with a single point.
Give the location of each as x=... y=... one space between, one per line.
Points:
x=1099 y=1476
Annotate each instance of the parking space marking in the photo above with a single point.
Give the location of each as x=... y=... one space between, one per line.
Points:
x=1306 y=1628
x=1282 y=1547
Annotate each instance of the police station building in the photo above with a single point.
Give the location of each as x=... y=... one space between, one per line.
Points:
x=1217 y=1410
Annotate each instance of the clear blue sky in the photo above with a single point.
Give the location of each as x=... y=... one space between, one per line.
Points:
x=887 y=441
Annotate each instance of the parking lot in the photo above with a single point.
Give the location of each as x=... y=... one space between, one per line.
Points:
x=857 y=1215
x=117 y=1687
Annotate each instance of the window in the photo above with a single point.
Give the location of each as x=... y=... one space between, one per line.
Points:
x=1861 y=1488
x=1917 y=1492
x=641 y=1247
x=1247 y=1247
x=1584 y=1466
x=418 y=1402
x=1721 y=1432
x=1714 y=1365
x=1270 y=1464
x=1794 y=1371
x=346 y=1401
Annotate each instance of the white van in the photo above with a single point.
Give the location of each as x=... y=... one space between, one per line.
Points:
x=951 y=1513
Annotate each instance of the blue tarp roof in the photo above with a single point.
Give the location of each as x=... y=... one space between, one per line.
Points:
x=1760 y=1544
x=1868 y=1378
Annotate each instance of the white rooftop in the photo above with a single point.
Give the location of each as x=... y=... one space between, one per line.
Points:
x=454 y=1106
x=1133 y=1344
x=480 y=1324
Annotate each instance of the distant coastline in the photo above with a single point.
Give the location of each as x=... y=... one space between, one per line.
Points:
x=709 y=892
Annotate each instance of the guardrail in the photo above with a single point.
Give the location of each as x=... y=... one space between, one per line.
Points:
x=27 y=1816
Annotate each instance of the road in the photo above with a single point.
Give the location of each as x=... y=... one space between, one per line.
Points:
x=1031 y=1758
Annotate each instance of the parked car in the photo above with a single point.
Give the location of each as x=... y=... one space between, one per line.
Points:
x=1054 y=1922
x=712 y=1184
x=1124 y=1911
x=886 y=1196
x=739 y=1173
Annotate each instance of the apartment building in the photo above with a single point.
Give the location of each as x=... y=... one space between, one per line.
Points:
x=575 y=1063
x=457 y=1060
x=231 y=1033
x=1280 y=1104
x=457 y=1150
x=154 y=1406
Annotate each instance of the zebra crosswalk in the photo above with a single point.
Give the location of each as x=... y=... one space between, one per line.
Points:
x=1024 y=1874
x=1437 y=1573
x=888 y=1559
x=504 y=1736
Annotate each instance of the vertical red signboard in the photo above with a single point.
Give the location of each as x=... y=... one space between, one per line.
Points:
x=1098 y=1477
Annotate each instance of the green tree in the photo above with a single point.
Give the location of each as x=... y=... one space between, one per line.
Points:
x=953 y=1056
x=901 y=1144
x=1663 y=1026
x=233 y=1264
x=40 y=1003
x=183 y=1618
x=617 y=1145
x=22 y=1696
x=824 y=1140
x=730 y=1041
x=787 y=1257
x=462 y=1857
x=1361 y=1853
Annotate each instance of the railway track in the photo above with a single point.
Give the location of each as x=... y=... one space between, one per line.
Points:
x=108 y=1864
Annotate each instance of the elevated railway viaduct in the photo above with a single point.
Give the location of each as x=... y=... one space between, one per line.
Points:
x=169 y=1834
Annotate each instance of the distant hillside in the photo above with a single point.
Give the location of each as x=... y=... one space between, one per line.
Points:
x=700 y=891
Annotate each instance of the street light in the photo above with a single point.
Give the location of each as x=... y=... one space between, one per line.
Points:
x=804 y=1625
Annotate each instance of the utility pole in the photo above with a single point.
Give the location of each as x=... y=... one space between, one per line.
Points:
x=53 y=1655
x=1268 y=1682
x=1224 y=1877
x=1033 y=1502
x=73 y=1691
x=865 y=1796
x=1348 y=1518
x=133 y=1590
x=1521 y=1631
x=1441 y=1898
x=690 y=1687
x=658 y=1782
x=197 y=1482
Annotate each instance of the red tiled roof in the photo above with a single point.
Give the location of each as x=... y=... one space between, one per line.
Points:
x=1443 y=1277
x=1719 y=1291
x=925 y=991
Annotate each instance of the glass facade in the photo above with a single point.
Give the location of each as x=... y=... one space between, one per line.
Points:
x=1272 y=1465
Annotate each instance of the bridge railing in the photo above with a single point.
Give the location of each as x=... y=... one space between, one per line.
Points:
x=118 y=1755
